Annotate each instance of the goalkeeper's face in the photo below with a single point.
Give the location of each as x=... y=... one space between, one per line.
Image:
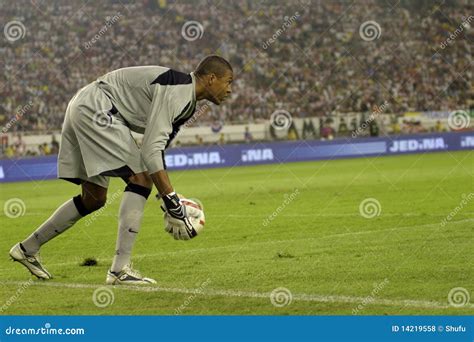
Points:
x=220 y=88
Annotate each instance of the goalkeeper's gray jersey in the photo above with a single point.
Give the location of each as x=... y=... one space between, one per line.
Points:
x=154 y=100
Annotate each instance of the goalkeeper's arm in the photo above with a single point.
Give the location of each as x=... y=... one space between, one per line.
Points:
x=162 y=182
x=171 y=200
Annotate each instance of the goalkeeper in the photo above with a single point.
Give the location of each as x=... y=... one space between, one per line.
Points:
x=96 y=143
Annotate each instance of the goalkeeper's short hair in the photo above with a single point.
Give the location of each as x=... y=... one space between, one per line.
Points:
x=213 y=64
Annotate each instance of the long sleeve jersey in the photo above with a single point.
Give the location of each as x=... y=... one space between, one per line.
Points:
x=153 y=100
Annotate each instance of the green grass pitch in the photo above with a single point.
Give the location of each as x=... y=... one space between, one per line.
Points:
x=292 y=229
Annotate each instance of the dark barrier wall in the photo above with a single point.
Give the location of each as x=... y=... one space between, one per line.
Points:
x=265 y=153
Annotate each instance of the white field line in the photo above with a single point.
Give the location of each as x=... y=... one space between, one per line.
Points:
x=263 y=243
x=251 y=294
x=42 y=214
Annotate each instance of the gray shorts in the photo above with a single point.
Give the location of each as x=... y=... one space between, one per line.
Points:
x=96 y=143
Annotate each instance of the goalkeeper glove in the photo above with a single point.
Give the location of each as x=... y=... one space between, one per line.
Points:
x=176 y=210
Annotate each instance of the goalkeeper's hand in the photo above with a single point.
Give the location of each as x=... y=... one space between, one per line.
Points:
x=180 y=220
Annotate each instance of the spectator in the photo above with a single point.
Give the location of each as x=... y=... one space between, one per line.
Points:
x=292 y=132
x=338 y=70
x=309 y=132
x=247 y=135
x=327 y=132
x=342 y=130
x=199 y=140
x=10 y=151
x=373 y=128
x=354 y=125
x=54 y=145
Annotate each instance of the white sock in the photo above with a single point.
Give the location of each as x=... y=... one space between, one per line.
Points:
x=62 y=219
x=130 y=218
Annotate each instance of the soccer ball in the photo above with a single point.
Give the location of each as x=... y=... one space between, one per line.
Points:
x=196 y=216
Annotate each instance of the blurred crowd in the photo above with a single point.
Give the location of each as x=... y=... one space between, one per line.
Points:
x=306 y=57
x=323 y=128
x=19 y=148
